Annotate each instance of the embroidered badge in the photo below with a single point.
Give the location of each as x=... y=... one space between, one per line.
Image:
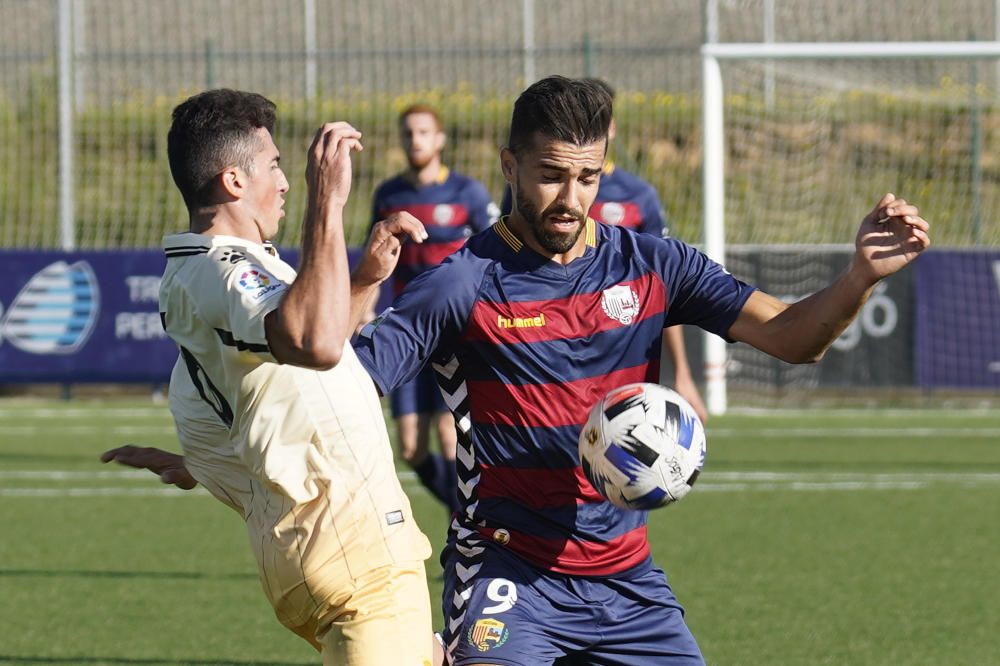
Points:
x=258 y=283
x=621 y=303
x=487 y=634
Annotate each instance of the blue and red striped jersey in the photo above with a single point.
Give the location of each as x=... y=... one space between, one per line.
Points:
x=452 y=209
x=623 y=199
x=523 y=347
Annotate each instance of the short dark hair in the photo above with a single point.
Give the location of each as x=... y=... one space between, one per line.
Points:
x=211 y=131
x=421 y=108
x=603 y=84
x=576 y=111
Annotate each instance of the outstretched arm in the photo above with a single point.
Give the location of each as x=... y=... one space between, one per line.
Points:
x=168 y=466
x=892 y=235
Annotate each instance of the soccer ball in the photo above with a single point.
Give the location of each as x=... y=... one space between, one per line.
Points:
x=642 y=447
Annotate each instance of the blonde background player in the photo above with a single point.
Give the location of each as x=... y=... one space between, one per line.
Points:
x=275 y=415
x=452 y=207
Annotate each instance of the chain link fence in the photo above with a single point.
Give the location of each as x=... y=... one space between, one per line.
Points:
x=807 y=141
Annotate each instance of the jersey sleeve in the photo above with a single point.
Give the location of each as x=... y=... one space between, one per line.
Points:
x=421 y=324
x=237 y=310
x=483 y=211
x=251 y=293
x=654 y=218
x=699 y=291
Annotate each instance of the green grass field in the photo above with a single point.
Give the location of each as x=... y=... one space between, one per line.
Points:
x=833 y=537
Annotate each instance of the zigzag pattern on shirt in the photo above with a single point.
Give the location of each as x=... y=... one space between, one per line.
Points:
x=451 y=381
x=470 y=550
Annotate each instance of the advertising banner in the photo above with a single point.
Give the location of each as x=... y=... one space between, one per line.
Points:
x=82 y=317
x=92 y=316
x=875 y=350
x=958 y=319
x=86 y=316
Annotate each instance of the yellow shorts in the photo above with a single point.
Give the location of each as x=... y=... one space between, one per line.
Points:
x=386 y=620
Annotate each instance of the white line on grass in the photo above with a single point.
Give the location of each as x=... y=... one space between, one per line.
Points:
x=755 y=481
x=805 y=487
x=66 y=475
x=855 y=411
x=844 y=433
x=100 y=492
x=94 y=411
x=63 y=474
x=101 y=411
x=738 y=432
x=86 y=430
x=791 y=477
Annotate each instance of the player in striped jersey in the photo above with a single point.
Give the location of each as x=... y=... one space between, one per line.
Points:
x=527 y=326
x=624 y=199
x=452 y=207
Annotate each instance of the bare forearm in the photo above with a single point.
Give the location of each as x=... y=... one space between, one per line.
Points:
x=675 y=346
x=803 y=331
x=378 y=259
x=363 y=299
x=314 y=319
x=890 y=236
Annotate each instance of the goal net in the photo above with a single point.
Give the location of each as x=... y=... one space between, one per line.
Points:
x=813 y=136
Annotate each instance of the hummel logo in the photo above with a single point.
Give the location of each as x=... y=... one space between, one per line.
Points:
x=521 y=322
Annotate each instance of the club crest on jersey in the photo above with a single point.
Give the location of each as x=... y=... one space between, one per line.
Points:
x=257 y=283
x=613 y=212
x=621 y=303
x=487 y=633
x=443 y=215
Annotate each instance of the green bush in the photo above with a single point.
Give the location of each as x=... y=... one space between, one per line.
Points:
x=794 y=174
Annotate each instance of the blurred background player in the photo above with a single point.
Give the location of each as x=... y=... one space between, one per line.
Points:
x=626 y=200
x=452 y=208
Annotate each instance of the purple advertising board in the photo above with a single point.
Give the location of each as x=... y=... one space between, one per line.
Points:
x=957 y=327
x=82 y=317
x=85 y=316
x=92 y=316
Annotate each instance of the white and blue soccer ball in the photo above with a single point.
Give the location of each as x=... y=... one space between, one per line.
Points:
x=642 y=447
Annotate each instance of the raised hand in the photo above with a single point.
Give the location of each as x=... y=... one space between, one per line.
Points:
x=382 y=249
x=892 y=235
x=168 y=466
x=328 y=172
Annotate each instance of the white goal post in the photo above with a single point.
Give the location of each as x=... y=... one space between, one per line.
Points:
x=713 y=165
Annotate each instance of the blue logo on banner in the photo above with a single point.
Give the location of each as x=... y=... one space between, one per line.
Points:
x=55 y=312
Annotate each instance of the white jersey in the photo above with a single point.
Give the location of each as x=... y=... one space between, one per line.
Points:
x=303 y=455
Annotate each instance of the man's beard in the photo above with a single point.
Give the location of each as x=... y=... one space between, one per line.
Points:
x=418 y=161
x=551 y=241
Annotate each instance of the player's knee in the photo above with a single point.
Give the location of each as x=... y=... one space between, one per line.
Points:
x=447 y=434
x=413 y=457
